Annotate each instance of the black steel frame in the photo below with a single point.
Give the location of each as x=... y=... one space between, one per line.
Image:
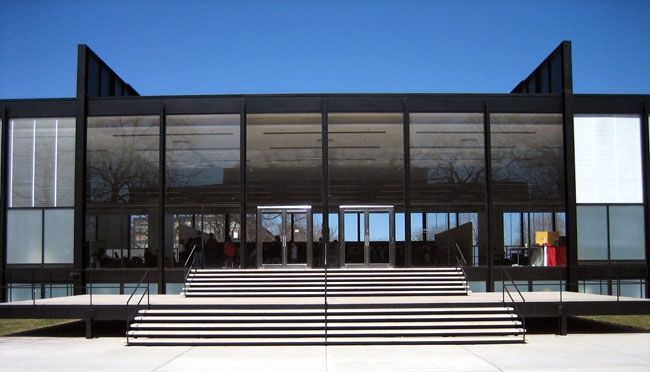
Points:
x=566 y=103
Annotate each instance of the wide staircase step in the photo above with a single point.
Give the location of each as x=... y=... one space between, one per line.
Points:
x=370 y=324
x=368 y=282
x=360 y=321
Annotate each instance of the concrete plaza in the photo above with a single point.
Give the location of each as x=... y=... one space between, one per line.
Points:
x=542 y=352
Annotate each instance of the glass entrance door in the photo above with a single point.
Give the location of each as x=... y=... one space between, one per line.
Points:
x=284 y=236
x=368 y=235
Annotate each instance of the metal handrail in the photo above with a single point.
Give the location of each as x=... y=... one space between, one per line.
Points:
x=460 y=263
x=189 y=256
x=129 y=314
x=189 y=269
x=504 y=290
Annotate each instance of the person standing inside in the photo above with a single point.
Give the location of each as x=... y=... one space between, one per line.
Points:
x=230 y=251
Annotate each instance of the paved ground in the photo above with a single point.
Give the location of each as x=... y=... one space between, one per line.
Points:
x=542 y=352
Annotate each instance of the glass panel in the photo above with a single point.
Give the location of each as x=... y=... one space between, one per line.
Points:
x=379 y=232
x=59 y=290
x=626 y=234
x=436 y=223
x=41 y=164
x=122 y=160
x=417 y=231
x=317 y=246
x=527 y=157
x=333 y=248
x=366 y=158
x=59 y=236
x=447 y=159
x=122 y=195
x=202 y=160
x=271 y=235
x=592 y=233
x=608 y=159
x=512 y=229
x=24 y=236
x=297 y=237
x=44 y=159
x=448 y=179
x=354 y=237
x=629 y=288
x=65 y=162
x=23 y=291
x=21 y=162
x=593 y=287
x=283 y=159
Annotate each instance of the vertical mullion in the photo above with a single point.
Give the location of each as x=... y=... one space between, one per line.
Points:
x=33 y=163
x=488 y=193
x=325 y=181
x=56 y=159
x=162 y=156
x=406 y=123
x=243 y=221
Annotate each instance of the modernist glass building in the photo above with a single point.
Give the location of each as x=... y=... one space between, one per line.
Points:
x=547 y=183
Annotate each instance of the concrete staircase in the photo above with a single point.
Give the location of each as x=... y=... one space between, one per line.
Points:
x=299 y=283
x=282 y=309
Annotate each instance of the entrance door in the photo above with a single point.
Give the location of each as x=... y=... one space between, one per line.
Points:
x=367 y=235
x=284 y=236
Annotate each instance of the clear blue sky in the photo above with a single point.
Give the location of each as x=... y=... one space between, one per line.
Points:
x=186 y=47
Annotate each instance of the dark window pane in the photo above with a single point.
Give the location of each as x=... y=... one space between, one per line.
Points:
x=592 y=233
x=527 y=157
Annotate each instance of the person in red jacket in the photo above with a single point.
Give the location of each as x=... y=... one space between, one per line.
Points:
x=230 y=251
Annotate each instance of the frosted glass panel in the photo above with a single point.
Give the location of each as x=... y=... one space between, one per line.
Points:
x=41 y=162
x=592 y=233
x=608 y=159
x=59 y=236
x=627 y=239
x=24 y=239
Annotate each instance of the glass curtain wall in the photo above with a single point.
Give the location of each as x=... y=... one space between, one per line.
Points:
x=202 y=193
x=122 y=192
x=41 y=162
x=283 y=168
x=447 y=188
x=609 y=188
x=528 y=189
x=366 y=166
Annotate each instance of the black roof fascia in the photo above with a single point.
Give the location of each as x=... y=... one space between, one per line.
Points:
x=40 y=108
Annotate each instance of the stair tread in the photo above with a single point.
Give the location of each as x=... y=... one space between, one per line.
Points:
x=330 y=325
x=329 y=293
x=262 y=318
x=339 y=340
x=367 y=309
x=317 y=332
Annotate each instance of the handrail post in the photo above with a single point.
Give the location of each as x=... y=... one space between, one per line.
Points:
x=33 y=289
x=91 y=286
x=148 y=291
